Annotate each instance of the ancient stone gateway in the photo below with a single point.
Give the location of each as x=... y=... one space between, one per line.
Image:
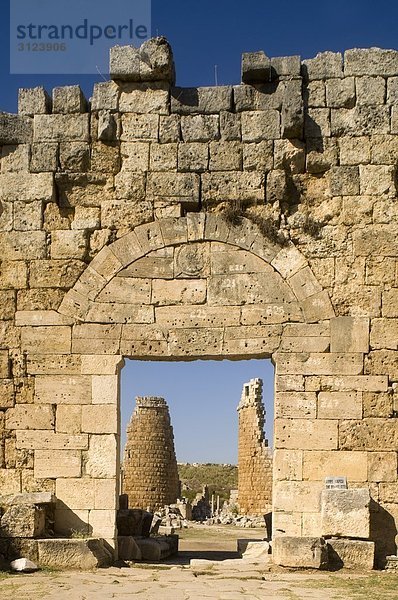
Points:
x=258 y=220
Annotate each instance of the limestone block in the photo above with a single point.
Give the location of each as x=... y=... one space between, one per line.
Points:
x=371 y=61
x=75 y=554
x=325 y=65
x=231 y=185
x=40 y=318
x=390 y=303
x=24 y=521
x=140 y=127
x=68 y=522
x=200 y=128
x=344 y=181
x=10 y=481
x=243 y=288
x=250 y=340
x=306 y=434
x=183 y=185
x=57 y=463
x=17 y=245
x=288 y=465
x=346 y=513
x=7 y=304
x=105 y=96
x=370 y=90
x=33 y=101
x=286 y=65
x=126 y=290
x=343 y=405
x=44 y=157
x=169 y=129
x=298 y=405
x=235 y=261
x=304 y=344
x=340 y=93
x=315 y=94
x=225 y=156
x=101 y=418
x=382 y=466
x=46 y=340
x=204 y=100
x=355 y=151
x=194 y=316
x=46 y=440
x=28 y=217
x=351 y=554
x=7 y=397
x=384 y=334
x=292 y=115
x=61 y=128
x=15 y=129
x=105 y=494
x=15 y=158
x=286 y=523
x=103 y=523
x=394 y=119
x=135 y=156
x=153 y=61
x=110 y=312
x=377 y=180
x=304 y=284
x=68 y=418
x=349 y=334
x=258 y=156
x=101 y=457
x=317 y=307
x=163 y=157
x=30 y=416
x=359 y=383
x=285 y=383
x=76 y=494
x=256 y=67
x=382 y=362
x=288 y=261
x=41 y=364
x=105 y=158
x=68 y=244
x=107 y=129
x=320 y=364
x=317 y=122
x=320 y=464
x=181 y=292
x=128 y=548
x=194 y=342
x=230 y=128
x=301 y=552
x=153 y=549
x=144 y=98
x=63 y=389
x=101 y=366
x=4 y=364
x=68 y=99
x=35 y=186
x=260 y=125
x=193 y=156
x=359 y=121
x=270 y=314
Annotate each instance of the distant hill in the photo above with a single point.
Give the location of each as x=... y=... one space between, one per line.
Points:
x=220 y=479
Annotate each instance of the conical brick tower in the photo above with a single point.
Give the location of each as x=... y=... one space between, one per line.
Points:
x=150 y=476
x=254 y=456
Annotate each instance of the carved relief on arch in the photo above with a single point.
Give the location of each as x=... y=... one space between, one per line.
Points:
x=197 y=286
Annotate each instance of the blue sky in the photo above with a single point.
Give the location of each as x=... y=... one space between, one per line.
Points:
x=203 y=395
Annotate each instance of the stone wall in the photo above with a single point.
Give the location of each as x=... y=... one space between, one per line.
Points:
x=254 y=456
x=256 y=220
x=150 y=475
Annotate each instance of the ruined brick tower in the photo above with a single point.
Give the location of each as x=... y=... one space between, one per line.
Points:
x=254 y=456
x=150 y=476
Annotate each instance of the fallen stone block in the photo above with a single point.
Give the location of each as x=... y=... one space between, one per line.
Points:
x=21 y=548
x=392 y=563
x=257 y=551
x=23 y=521
x=157 y=549
x=128 y=548
x=23 y=565
x=83 y=554
x=242 y=544
x=300 y=552
x=134 y=522
x=345 y=513
x=36 y=498
x=351 y=554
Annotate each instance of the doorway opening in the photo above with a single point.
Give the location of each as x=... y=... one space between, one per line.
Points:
x=203 y=397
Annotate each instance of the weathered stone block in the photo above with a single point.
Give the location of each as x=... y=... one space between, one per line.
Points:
x=33 y=101
x=325 y=65
x=300 y=552
x=69 y=99
x=47 y=440
x=61 y=128
x=349 y=334
x=15 y=129
x=153 y=61
x=260 y=125
x=80 y=554
x=256 y=67
x=28 y=416
x=204 y=100
x=371 y=61
x=340 y=93
x=317 y=465
x=335 y=405
x=101 y=456
x=57 y=463
x=231 y=185
x=351 y=554
x=25 y=521
x=346 y=513
x=101 y=418
x=68 y=418
x=382 y=466
x=298 y=405
x=200 y=128
x=7 y=395
x=306 y=434
x=370 y=90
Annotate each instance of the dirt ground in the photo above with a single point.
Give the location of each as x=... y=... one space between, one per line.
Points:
x=222 y=577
